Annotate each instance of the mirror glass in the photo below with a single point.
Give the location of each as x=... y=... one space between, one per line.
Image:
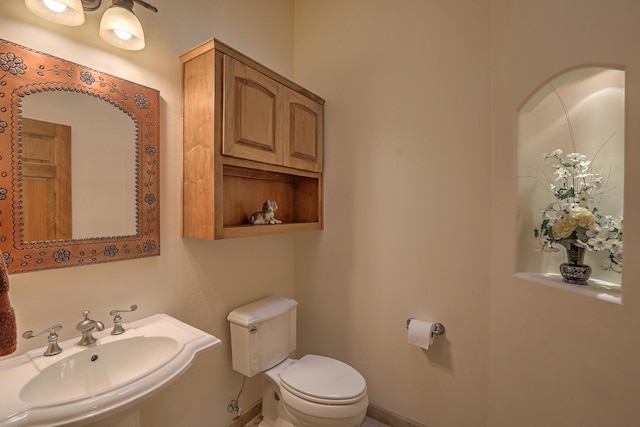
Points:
x=79 y=164
x=102 y=163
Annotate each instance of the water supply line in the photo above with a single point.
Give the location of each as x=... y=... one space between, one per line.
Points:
x=234 y=405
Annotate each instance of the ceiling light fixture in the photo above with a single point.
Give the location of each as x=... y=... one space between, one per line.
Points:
x=119 y=26
x=65 y=12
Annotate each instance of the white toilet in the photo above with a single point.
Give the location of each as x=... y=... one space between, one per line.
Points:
x=314 y=391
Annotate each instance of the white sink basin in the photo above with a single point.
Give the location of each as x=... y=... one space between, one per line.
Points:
x=83 y=385
x=98 y=369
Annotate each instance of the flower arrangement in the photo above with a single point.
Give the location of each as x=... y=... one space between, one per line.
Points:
x=573 y=218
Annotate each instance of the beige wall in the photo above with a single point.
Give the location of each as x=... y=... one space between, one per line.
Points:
x=558 y=358
x=408 y=201
x=406 y=118
x=420 y=209
x=196 y=281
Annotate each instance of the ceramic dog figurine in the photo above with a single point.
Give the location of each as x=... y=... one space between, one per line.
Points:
x=267 y=215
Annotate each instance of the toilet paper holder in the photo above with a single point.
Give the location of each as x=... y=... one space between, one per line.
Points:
x=437 y=330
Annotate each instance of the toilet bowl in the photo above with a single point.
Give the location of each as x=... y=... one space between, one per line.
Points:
x=313 y=391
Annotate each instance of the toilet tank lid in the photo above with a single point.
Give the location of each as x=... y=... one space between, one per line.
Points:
x=261 y=310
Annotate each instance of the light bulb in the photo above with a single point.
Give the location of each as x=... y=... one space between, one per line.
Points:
x=55 y=6
x=121 y=28
x=123 y=35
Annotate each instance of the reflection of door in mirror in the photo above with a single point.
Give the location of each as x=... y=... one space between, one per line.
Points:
x=46 y=180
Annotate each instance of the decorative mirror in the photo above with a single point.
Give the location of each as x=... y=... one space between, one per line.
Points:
x=79 y=164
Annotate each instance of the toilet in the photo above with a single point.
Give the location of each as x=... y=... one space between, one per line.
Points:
x=313 y=391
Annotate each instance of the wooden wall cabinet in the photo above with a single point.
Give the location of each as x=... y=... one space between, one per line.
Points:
x=249 y=135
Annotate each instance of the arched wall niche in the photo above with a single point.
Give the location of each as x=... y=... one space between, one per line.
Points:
x=581 y=110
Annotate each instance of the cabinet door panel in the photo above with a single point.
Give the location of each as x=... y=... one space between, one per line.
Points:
x=303 y=132
x=253 y=114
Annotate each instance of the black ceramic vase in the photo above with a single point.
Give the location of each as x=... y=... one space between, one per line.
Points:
x=574 y=270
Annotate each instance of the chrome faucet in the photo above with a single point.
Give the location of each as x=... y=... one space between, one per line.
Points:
x=117 y=319
x=87 y=326
x=53 y=348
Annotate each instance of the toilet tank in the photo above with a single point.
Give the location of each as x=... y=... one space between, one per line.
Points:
x=263 y=334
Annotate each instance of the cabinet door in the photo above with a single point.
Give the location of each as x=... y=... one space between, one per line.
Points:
x=252 y=114
x=303 y=132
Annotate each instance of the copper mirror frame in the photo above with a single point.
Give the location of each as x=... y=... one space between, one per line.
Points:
x=25 y=71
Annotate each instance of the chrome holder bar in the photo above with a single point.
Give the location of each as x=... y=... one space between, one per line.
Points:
x=438 y=330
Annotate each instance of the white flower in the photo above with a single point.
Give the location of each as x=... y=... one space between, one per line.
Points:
x=583 y=176
x=598 y=182
x=568 y=206
x=576 y=158
x=615 y=246
x=551 y=214
x=562 y=173
x=596 y=231
x=598 y=243
x=554 y=154
x=586 y=186
x=612 y=224
x=584 y=165
x=584 y=199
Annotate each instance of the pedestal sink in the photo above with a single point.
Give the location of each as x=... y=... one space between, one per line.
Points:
x=84 y=385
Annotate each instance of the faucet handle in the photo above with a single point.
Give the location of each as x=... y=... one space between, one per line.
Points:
x=132 y=308
x=53 y=347
x=117 y=319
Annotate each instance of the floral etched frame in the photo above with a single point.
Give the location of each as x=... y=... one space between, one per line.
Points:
x=25 y=71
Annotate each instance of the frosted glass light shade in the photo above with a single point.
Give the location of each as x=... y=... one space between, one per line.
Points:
x=65 y=12
x=121 y=28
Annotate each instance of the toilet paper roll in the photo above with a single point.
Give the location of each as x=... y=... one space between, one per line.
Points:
x=421 y=333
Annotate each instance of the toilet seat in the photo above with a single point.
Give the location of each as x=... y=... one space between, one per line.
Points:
x=323 y=380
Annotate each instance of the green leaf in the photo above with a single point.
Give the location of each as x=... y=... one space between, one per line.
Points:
x=565 y=193
x=581 y=234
